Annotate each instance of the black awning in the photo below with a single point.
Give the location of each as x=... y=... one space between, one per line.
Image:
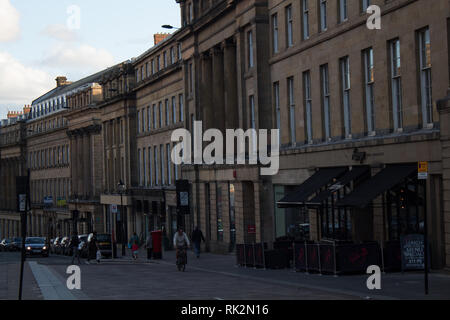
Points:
x=386 y=179
x=303 y=192
x=355 y=173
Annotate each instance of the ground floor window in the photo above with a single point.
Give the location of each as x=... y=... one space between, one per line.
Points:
x=290 y=222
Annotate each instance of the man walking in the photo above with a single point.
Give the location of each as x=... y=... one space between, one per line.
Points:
x=197 y=237
x=74 y=242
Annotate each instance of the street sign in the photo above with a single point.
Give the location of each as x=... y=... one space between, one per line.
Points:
x=48 y=201
x=183 y=205
x=22 y=202
x=422 y=170
x=114 y=208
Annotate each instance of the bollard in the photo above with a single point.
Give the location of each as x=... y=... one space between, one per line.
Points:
x=263 y=256
x=335 y=266
x=293 y=257
x=320 y=264
x=245 y=257
x=306 y=259
x=254 y=256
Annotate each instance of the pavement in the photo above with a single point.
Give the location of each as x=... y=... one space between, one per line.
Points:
x=211 y=277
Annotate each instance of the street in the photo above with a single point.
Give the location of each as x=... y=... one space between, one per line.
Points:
x=212 y=277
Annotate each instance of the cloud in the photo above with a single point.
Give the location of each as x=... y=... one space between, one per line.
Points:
x=79 y=56
x=60 y=32
x=20 y=84
x=9 y=21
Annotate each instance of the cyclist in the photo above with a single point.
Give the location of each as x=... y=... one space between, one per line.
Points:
x=180 y=240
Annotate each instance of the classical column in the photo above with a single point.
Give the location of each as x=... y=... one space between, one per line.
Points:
x=86 y=166
x=218 y=89
x=206 y=105
x=230 y=87
x=73 y=164
x=80 y=165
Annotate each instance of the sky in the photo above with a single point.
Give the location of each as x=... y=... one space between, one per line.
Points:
x=40 y=40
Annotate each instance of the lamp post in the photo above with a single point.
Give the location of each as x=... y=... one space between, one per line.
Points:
x=121 y=188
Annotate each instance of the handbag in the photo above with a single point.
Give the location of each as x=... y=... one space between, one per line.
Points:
x=99 y=255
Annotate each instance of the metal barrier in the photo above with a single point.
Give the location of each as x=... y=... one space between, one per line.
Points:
x=323 y=258
x=258 y=249
x=249 y=255
x=240 y=255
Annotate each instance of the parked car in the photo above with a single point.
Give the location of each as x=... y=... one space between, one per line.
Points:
x=37 y=245
x=83 y=245
x=104 y=244
x=5 y=245
x=51 y=245
x=56 y=248
x=16 y=244
x=64 y=245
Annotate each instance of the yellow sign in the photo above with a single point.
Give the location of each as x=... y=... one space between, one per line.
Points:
x=422 y=170
x=423 y=166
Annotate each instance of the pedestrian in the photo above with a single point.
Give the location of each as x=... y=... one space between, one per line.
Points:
x=149 y=245
x=134 y=245
x=197 y=237
x=74 y=243
x=93 y=248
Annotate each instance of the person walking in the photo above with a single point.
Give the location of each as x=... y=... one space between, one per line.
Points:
x=74 y=243
x=93 y=248
x=197 y=238
x=149 y=245
x=134 y=245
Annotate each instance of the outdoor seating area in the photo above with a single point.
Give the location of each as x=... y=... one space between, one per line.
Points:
x=324 y=257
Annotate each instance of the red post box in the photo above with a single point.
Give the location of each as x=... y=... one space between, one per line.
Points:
x=157 y=244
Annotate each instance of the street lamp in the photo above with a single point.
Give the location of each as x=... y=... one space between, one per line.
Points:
x=121 y=188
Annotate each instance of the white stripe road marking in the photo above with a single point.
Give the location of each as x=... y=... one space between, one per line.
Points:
x=51 y=288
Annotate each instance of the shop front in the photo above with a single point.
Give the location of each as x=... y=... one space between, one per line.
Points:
x=360 y=216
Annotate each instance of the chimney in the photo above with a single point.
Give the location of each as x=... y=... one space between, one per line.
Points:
x=158 y=37
x=27 y=109
x=61 y=81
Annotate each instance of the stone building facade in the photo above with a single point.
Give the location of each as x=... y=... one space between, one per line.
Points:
x=12 y=164
x=356 y=108
x=346 y=96
x=160 y=104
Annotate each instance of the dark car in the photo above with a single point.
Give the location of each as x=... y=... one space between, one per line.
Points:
x=104 y=243
x=37 y=246
x=16 y=244
x=5 y=245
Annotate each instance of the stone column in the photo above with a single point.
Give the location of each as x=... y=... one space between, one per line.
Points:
x=230 y=87
x=80 y=165
x=86 y=164
x=73 y=164
x=206 y=105
x=218 y=89
x=443 y=107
